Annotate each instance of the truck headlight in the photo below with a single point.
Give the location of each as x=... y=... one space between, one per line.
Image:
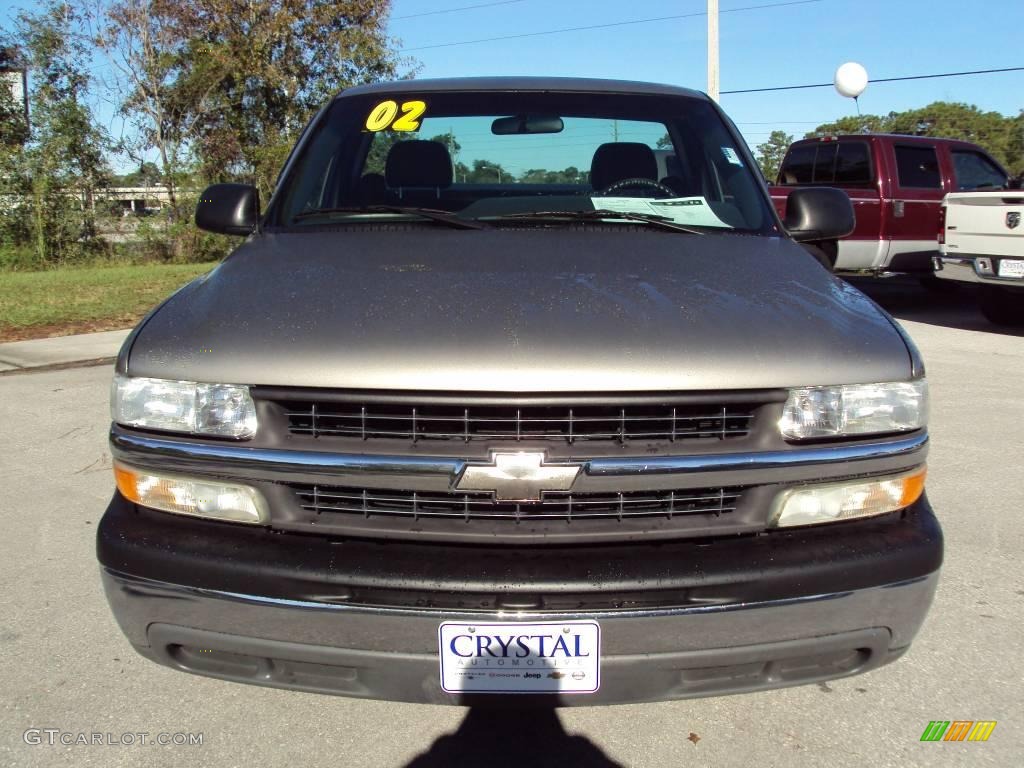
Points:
x=198 y=497
x=855 y=409
x=831 y=502
x=221 y=410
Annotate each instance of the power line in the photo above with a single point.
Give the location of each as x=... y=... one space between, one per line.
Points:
x=456 y=10
x=880 y=80
x=606 y=26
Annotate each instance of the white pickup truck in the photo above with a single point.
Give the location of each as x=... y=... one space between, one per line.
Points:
x=981 y=240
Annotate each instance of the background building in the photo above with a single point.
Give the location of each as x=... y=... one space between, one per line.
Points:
x=13 y=98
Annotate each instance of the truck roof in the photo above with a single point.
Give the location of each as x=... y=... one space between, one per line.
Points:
x=900 y=137
x=567 y=84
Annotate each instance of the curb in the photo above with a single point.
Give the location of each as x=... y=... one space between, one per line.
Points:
x=61 y=351
x=7 y=371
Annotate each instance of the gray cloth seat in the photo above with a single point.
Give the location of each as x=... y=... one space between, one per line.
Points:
x=417 y=171
x=622 y=160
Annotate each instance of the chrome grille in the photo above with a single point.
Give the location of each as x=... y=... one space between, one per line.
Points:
x=570 y=507
x=530 y=422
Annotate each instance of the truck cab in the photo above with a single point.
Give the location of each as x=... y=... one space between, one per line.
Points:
x=896 y=184
x=440 y=435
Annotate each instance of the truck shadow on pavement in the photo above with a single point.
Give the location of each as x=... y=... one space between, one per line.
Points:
x=498 y=737
x=949 y=306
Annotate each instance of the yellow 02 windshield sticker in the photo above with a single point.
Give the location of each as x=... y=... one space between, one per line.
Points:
x=389 y=115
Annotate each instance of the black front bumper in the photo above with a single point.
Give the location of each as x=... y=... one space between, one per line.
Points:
x=741 y=569
x=678 y=620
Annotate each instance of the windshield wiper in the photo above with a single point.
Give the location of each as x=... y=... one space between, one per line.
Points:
x=601 y=214
x=443 y=217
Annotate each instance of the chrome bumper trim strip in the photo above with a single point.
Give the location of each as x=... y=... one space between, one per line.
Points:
x=230 y=456
x=759 y=460
x=137 y=585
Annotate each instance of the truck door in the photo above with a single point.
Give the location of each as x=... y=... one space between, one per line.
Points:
x=913 y=210
x=854 y=174
x=847 y=164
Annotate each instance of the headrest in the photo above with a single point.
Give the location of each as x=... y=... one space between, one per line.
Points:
x=418 y=164
x=622 y=160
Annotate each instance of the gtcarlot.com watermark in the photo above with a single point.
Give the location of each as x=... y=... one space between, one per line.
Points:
x=56 y=736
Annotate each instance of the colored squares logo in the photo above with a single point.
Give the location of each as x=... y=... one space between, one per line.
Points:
x=958 y=730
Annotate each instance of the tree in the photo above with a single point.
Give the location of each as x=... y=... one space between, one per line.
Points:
x=570 y=175
x=482 y=172
x=851 y=124
x=279 y=61
x=147 y=175
x=448 y=139
x=162 y=89
x=771 y=152
x=377 y=157
x=62 y=167
x=233 y=82
x=1016 y=146
x=1001 y=136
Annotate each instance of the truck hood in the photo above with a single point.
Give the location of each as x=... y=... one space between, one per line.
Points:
x=605 y=308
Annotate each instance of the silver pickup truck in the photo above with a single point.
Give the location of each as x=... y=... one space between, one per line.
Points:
x=982 y=243
x=485 y=407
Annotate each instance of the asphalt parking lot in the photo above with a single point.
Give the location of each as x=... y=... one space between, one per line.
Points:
x=64 y=664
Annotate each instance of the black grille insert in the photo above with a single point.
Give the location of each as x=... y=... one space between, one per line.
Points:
x=530 y=422
x=570 y=507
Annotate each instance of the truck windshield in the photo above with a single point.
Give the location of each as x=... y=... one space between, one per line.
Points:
x=504 y=158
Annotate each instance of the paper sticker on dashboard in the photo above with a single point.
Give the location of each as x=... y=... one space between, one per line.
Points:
x=692 y=211
x=732 y=155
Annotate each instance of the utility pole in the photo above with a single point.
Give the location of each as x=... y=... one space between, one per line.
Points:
x=713 y=49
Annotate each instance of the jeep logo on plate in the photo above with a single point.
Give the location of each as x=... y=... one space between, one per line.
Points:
x=1013 y=219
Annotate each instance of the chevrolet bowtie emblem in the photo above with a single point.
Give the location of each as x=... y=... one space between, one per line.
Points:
x=517 y=476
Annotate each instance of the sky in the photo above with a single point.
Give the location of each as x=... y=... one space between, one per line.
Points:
x=800 y=42
x=786 y=45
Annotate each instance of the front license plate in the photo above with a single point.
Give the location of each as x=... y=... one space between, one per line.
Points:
x=1011 y=267
x=512 y=657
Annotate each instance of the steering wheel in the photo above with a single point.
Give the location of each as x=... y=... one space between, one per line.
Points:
x=636 y=182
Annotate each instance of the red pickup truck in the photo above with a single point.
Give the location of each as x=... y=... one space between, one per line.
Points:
x=896 y=184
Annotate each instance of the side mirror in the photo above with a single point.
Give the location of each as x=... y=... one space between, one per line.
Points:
x=228 y=209
x=818 y=213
